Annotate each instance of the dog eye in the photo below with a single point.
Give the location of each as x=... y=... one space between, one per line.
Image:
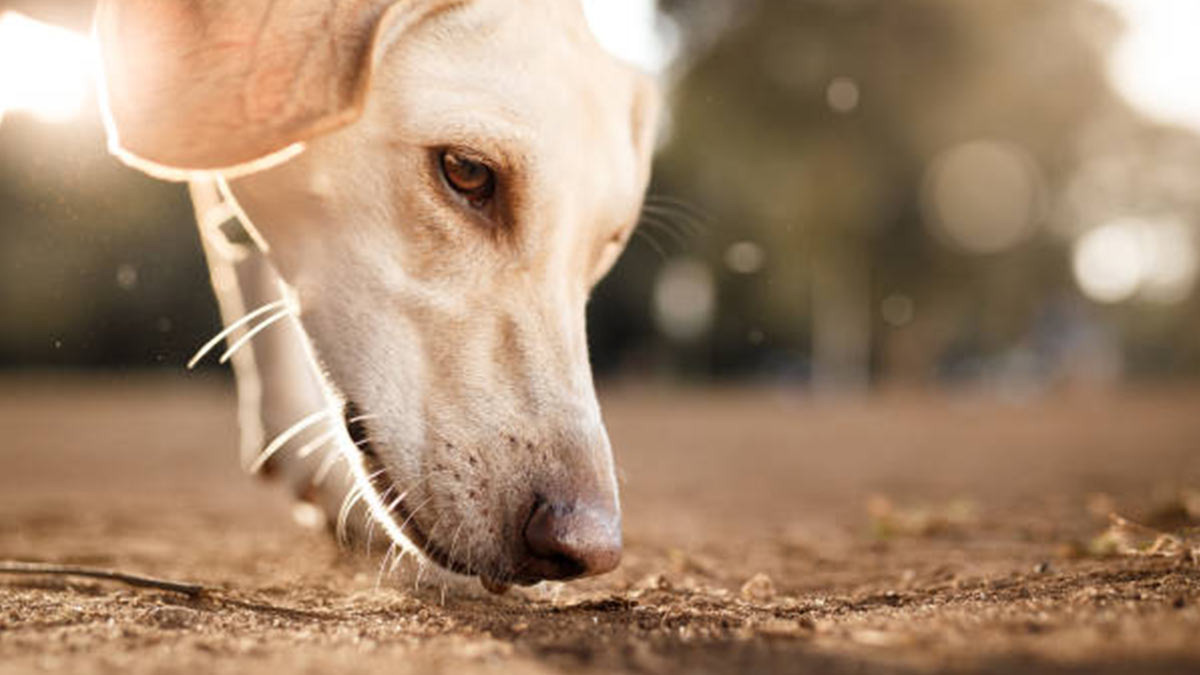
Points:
x=474 y=180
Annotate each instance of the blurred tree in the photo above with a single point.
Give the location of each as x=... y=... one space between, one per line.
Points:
x=809 y=127
x=99 y=265
x=813 y=135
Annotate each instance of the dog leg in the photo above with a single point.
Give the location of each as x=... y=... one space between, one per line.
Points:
x=278 y=384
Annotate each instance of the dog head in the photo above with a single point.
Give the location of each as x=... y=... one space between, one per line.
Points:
x=469 y=170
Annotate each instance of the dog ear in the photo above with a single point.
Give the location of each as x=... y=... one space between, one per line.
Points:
x=234 y=85
x=647 y=108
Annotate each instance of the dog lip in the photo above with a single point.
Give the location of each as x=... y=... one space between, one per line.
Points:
x=356 y=426
x=492 y=585
x=381 y=479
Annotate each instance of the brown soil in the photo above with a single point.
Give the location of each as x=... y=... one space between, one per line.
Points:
x=765 y=532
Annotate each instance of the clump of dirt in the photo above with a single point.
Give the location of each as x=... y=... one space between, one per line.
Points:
x=1125 y=537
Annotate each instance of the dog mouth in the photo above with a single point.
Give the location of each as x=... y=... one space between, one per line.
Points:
x=381 y=481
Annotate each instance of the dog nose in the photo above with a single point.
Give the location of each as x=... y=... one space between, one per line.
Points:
x=566 y=541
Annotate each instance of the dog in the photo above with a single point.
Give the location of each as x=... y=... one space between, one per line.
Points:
x=404 y=205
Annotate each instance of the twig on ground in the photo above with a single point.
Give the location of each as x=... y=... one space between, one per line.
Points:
x=51 y=569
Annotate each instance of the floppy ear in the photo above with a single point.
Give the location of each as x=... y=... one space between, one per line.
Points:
x=230 y=85
x=647 y=107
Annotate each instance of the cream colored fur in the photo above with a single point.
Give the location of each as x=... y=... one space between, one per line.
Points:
x=462 y=338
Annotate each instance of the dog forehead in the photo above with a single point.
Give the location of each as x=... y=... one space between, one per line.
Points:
x=534 y=62
x=523 y=81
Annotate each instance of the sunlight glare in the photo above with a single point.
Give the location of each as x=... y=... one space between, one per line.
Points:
x=633 y=30
x=44 y=70
x=1155 y=63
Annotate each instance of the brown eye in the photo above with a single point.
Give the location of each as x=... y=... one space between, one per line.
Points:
x=474 y=180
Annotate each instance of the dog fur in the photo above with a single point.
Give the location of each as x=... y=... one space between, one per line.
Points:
x=458 y=333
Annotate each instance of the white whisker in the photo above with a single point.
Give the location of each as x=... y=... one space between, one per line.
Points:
x=433 y=530
x=414 y=512
x=651 y=241
x=681 y=206
x=682 y=218
x=250 y=334
x=371 y=497
x=211 y=344
x=453 y=546
x=651 y=221
x=383 y=565
x=286 y=436
x=397 y=560
x=331 y=459
x=421 y=567
x=352 y=497
x=370 y=522
x=470 y=568
x=313 y=445
x=420 y=573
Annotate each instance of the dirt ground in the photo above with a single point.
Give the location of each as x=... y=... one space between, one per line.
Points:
x=766 y=531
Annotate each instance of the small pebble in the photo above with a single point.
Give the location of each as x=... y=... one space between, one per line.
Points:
x=759 y=588
x=785 y=628
x=653 y=582
x=171 y=618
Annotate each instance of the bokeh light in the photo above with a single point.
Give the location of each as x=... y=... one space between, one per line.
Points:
x=897 y=310
x=44 y=70
x=634 y=31
x=1169 y=274
x=1130 y=257
x=1107 y=262
x=745 y=257
x=842 y=95
x=984 y=196
x=830 y=182
x=1155 y=63
x=685 y=299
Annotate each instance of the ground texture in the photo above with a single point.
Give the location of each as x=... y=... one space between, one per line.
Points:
x=765 y=532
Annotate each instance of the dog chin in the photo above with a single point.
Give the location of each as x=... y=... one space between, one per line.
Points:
x=398 y=511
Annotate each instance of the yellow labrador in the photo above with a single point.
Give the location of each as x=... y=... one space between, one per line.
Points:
x=405 y=204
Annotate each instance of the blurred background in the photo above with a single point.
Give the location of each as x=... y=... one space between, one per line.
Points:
x=850 y=194
x=911 y=315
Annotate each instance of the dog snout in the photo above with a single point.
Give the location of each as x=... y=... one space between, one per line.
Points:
x=567 y=540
